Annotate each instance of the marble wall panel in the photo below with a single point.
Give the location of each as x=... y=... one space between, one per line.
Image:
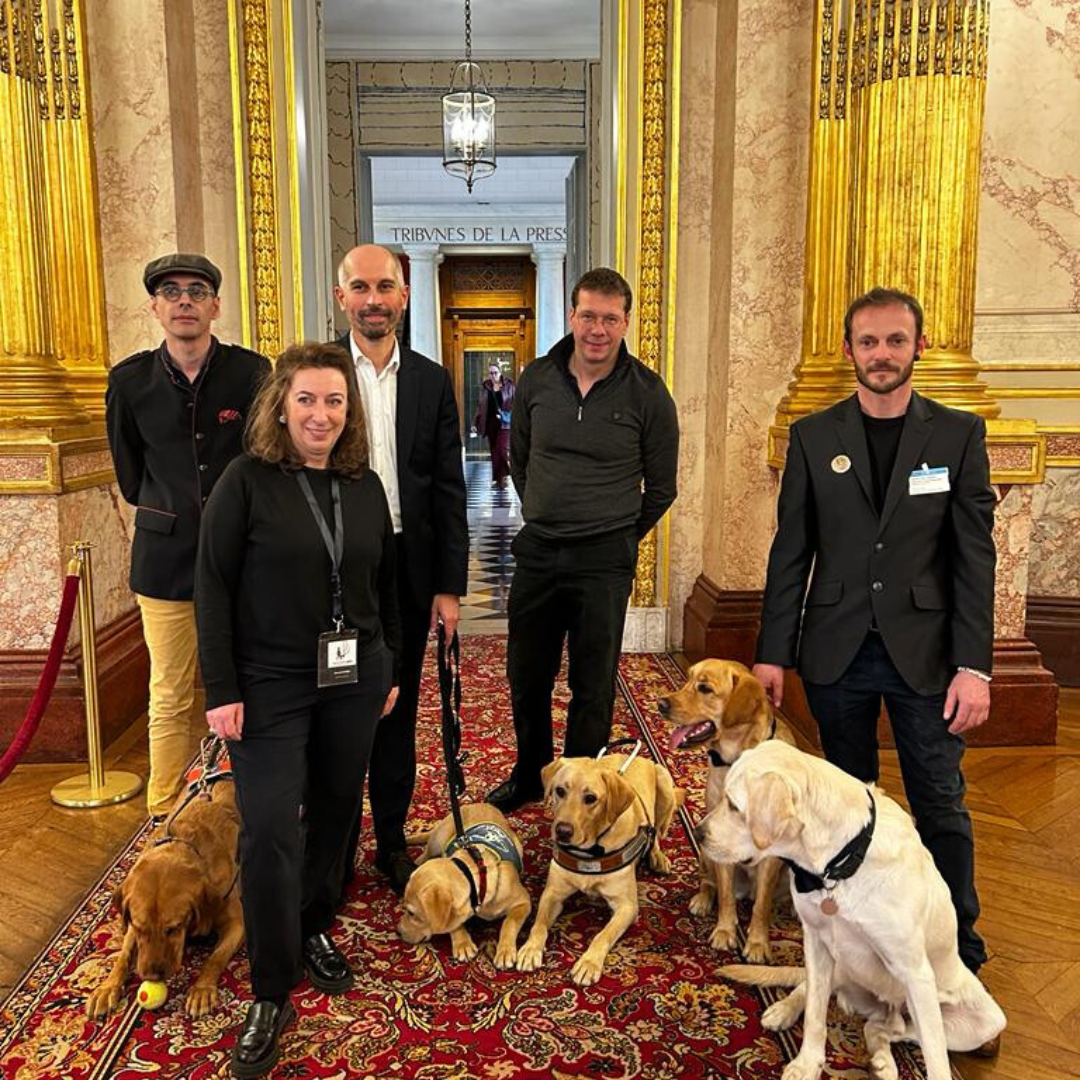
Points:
x=132 y=143
x=772 y=120
x=1055 y=553
x=340 y=159
x=31 y=570
x=1012 y=538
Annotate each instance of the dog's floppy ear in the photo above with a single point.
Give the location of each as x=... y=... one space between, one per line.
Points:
x=747 y=701
x=547 y=775
x=619 y=795
x=770 y=810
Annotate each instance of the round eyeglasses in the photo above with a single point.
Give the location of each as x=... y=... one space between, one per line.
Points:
x=197 y=291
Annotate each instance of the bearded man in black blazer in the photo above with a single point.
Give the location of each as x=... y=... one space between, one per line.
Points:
x=886 y=510
x=415 y=443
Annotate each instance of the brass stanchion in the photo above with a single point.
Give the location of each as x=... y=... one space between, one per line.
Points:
x=101 y=788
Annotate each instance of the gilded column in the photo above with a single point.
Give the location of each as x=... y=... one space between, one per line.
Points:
x=894 y=187
x=53 y=347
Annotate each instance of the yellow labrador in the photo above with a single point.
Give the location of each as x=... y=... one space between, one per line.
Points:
x=478 y=874
x=723 y=710
x=607 y=813
x=879 y=929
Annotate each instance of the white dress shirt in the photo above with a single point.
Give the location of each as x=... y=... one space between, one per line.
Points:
x=378 y=391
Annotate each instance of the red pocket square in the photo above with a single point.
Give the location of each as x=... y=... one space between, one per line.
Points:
x=226 y=416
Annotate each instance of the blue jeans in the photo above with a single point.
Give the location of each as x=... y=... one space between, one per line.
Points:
x=847 y=714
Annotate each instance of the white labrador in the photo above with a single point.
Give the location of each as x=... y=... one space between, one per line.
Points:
x=883 y=939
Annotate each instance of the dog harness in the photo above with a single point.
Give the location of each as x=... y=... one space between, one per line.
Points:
x=596 y=860
x=484 y=835
x=717 y=759
x=841 y=866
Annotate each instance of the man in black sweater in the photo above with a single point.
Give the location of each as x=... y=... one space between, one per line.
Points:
x=175 y=418
x=594 y=446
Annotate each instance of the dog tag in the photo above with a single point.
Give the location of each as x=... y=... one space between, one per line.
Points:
x=829 y=906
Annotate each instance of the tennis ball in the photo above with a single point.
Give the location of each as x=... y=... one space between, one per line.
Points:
x=152 y=995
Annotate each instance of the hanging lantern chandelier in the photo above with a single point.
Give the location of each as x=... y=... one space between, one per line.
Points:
x=468 y=119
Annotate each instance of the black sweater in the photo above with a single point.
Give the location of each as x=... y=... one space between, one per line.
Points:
x=262 y=575
x=588 y=466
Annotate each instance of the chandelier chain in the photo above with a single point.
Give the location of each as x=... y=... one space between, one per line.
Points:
x=468 y=30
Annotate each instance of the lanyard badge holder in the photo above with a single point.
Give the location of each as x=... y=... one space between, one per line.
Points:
x=337 y=647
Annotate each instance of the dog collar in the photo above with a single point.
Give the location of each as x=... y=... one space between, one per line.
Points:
x=477 y=890
x=718 y=760
x=491 y=836
x=843 y=864
x=595 y=860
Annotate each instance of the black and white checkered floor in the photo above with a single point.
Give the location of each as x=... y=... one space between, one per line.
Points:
x=494 y=519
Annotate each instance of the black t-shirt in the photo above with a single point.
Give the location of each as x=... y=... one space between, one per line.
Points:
x=882 y=440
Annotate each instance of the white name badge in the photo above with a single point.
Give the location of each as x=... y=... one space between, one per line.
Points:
x=337 y=658
x=927 y=481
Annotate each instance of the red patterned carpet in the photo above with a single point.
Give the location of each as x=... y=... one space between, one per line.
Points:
x=657 y=1013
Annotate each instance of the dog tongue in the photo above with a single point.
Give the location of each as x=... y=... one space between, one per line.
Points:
x=686 y=734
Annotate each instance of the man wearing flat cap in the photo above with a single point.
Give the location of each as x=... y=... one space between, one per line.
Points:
x=175 y=418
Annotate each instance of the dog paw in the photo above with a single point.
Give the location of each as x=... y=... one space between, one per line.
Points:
x=804 y=1069
x=780 y=1015
x=464 y=948
x=659 y=862
x=723 y=938
x=200 y=1000
x=702 y=902
x=530 y=957
x=505 y=959
x=587 y=970
x=758 y=950
x=883 y=1065
x=103 y=1000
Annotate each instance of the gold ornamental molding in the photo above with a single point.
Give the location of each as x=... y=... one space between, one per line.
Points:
x=659 y=56
x=36 y=464
x=1062 y=445
x=896 y=137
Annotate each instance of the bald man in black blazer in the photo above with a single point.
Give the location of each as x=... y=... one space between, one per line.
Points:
x=881 y=583
x=414 y=433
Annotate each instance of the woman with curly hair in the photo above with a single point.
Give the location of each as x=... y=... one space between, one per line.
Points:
x=296 y=605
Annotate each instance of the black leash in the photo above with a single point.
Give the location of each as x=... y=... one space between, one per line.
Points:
x=449 y=656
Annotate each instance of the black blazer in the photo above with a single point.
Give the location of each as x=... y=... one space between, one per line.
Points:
x=170 y=442
x=924 y=570
x=431 y=484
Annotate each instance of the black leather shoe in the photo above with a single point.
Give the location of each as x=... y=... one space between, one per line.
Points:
x=398 y=867
x=513 y=793
x=326 y=965
x=256 y=1050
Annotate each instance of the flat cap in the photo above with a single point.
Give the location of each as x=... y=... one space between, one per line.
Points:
x=180 y=263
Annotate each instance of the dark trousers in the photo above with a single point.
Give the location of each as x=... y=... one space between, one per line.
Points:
x=299 y=745
x=392 y=775
x=847 y=714
x=577 y=592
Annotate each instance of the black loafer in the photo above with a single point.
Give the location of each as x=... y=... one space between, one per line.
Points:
x=256 y=1050
x=326 y=965
x=398 y=867
x=513 y=793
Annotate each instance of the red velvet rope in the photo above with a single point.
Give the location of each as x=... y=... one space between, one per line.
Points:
x=48 y=679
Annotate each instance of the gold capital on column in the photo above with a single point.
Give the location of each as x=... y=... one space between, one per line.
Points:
x=53 y=348
x=899 y=89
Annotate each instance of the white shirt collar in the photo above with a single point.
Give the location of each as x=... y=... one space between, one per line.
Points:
x=359 y=357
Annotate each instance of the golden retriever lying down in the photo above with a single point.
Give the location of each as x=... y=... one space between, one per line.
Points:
x=185 y=884
x=479 y=877
x=607 y=813
x=882 y=939
x=723 y=710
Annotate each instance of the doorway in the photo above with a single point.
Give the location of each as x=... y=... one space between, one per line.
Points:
x=488 y=317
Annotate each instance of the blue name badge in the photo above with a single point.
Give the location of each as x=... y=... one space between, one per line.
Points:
x=927 y=481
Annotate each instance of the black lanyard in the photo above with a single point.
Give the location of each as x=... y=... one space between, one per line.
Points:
x=335 y=545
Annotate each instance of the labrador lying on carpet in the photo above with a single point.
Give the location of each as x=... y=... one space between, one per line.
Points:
x=458 y=877
x=185 y=884
x=607 y=813
x=879 y=928
x=723 y=709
